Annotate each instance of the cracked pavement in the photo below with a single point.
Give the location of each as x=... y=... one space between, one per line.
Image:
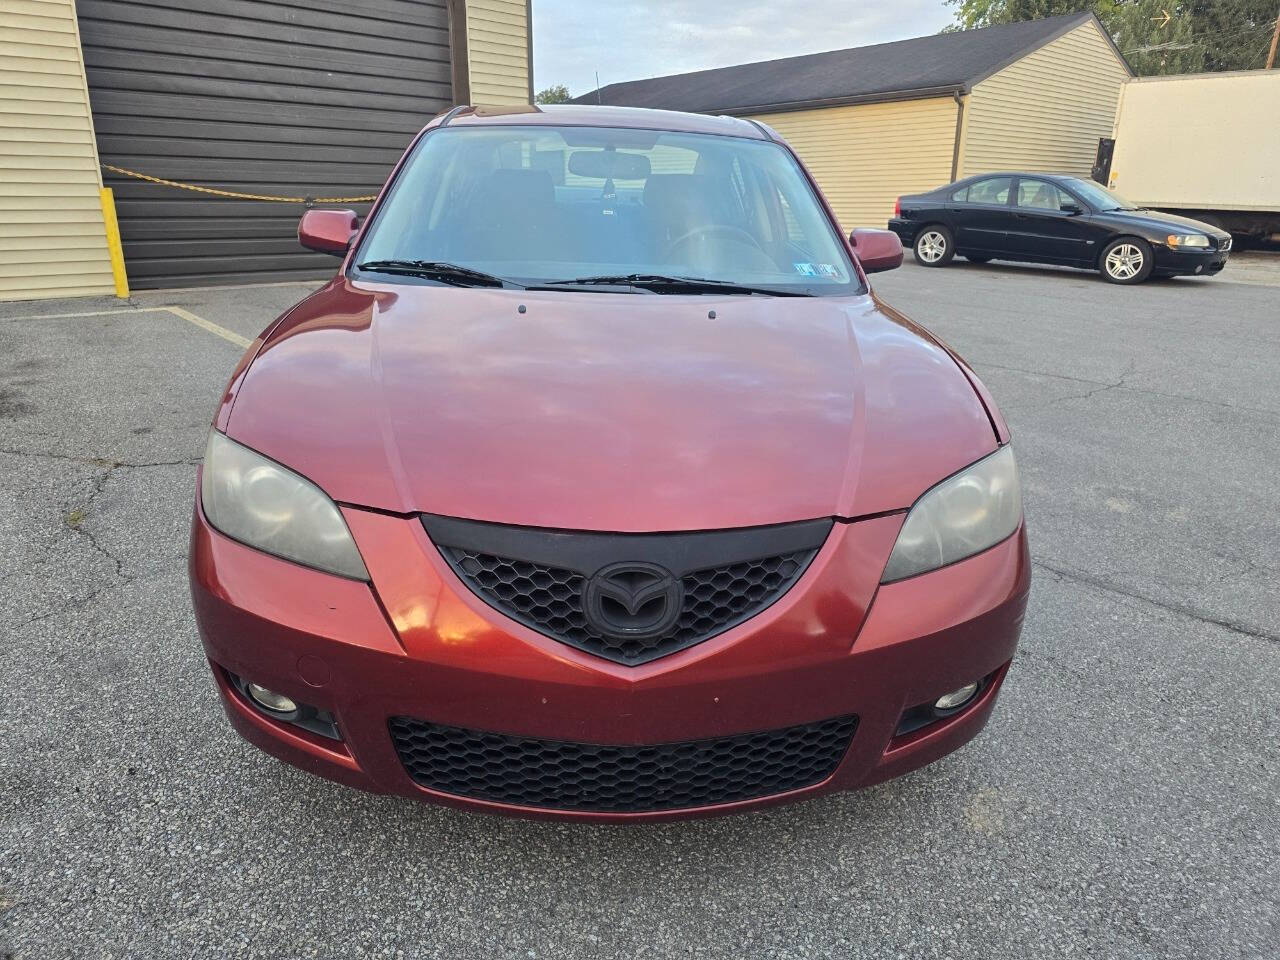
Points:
x=1122 y=802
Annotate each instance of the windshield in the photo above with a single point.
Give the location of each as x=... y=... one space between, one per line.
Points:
x=1099 y=197
x=537 y=205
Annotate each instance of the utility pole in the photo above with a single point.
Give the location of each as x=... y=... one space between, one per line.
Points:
x=1275 y=39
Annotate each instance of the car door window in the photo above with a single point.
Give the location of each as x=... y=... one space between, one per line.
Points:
x=993 y=190
x=1041 y=195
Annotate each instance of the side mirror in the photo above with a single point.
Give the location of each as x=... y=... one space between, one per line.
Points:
x=1072 y=208
x=877 y=250
x=329 y=231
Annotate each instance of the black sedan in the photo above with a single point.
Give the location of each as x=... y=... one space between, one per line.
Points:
x=1070 y=221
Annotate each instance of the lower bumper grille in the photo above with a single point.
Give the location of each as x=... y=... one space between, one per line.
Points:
x=620 y=779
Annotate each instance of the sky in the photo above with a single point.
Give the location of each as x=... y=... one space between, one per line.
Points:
x=632 y=39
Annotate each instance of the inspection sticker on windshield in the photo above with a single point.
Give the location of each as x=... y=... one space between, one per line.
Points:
x=816 y=269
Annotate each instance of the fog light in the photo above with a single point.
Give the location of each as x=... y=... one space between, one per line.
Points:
x=949 y=701
x=270 y=700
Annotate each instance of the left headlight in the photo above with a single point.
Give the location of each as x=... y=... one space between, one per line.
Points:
x=1180 y=240
x=963 y=515
x=263 y=505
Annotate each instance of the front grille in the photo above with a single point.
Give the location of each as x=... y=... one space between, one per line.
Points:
x=619 y=779
x=549 y=599
x=541 y=578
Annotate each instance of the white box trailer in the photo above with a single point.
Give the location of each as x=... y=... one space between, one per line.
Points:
x=1205 y=145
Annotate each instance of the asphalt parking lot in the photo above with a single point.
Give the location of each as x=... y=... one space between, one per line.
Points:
x=1123 y=802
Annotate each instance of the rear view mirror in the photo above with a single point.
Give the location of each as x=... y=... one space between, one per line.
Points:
x=877 y=250
x=603 y=164
x=329 y=231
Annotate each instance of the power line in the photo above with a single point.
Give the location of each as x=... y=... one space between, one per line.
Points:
x=1201 y=40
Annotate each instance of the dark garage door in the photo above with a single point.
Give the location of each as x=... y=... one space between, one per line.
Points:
x=303 y=99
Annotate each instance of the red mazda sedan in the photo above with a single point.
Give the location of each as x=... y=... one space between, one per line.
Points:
x=597 y=484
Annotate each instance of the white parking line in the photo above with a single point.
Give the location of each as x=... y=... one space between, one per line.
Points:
x=182 y=314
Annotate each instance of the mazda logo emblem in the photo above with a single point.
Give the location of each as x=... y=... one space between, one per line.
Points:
x=633 y=600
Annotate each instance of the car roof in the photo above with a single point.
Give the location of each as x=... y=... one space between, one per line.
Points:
x=1014 y=173
x=584 y=115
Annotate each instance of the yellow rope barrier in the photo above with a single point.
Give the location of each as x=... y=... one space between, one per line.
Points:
x=231 y=193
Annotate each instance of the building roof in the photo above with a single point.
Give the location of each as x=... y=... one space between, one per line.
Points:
x=923 y=66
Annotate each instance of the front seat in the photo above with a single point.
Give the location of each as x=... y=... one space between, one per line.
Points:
x=1045 y=198
x=512 y=217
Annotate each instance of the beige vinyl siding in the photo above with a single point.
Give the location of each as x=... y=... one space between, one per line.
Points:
x=498 y=51
x=52 y=239
x=865 y=157
x=1046 y=111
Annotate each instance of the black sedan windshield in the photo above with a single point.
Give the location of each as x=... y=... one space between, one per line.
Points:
x=544 y=205
x=1098 y=197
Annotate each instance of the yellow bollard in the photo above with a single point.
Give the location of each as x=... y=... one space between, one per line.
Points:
x=113 y=243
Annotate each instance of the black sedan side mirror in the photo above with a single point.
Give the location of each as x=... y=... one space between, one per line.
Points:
x=1071 y=208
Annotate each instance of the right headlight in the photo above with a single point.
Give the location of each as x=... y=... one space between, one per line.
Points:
x=267 y=506
x=963 y=515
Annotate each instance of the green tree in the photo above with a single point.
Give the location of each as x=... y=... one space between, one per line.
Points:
x=1233 y=34
x=1195 y=35
x=986 y=13
x=1152 y=42
x=557 y=94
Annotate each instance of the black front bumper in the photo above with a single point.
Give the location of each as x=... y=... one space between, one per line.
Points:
x=1189 y=263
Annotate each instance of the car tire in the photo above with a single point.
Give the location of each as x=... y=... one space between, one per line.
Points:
x=934 y=246
x=972 y=259
x=1127 y=260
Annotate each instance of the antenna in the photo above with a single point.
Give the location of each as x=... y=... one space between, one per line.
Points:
x=598 y=100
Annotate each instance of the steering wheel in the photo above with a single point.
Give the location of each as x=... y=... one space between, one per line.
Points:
x=723 y=229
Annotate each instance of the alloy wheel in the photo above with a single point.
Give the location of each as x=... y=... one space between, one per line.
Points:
x=931 y=246
x=1124 y=262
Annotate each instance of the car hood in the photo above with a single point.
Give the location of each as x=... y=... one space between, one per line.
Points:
x=1160 y=222
x=600 y=411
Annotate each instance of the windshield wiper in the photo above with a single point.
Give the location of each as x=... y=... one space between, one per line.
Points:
x=660 y=283
x=451 y=273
